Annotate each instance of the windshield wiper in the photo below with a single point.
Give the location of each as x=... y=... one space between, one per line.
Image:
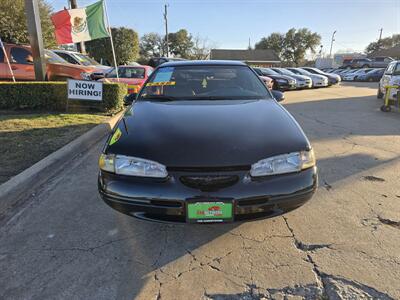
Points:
x=158 y=97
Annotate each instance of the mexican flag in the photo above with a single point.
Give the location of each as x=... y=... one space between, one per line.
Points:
x=80 y=24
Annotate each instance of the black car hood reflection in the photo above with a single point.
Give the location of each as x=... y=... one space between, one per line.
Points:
x=213 y=133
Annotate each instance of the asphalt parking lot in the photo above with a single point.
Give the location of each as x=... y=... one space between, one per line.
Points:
x=65 y=243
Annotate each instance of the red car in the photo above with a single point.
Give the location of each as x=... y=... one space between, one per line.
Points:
x=133 y=76
x=57 y=69
x=269 y=82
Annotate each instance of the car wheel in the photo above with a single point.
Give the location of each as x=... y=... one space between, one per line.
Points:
x=370 y=79
x=380 y=94
x=365 y=66
x=385 y=108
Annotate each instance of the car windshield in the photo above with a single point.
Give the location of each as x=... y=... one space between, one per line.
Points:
x=204 y=82
x=86 y=60
x=127 y=72
x=51 y=57
x=267 y=72
x=301 y=72
x=396 y=70
x=286 y=72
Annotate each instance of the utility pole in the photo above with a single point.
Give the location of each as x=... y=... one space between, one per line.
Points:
x=332 y=40
x=166 y=29
x=79 y=46
x=35 y=38
x=380 y=35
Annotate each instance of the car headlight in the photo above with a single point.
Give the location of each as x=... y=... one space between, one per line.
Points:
x=285 y=163
x=131 y=166
x=85 y=76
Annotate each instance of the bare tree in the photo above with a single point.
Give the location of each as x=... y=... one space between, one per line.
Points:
x=201 y=48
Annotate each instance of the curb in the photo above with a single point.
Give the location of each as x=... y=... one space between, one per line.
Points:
x=13 y=190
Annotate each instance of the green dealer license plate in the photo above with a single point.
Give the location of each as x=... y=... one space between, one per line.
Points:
x=205 y=212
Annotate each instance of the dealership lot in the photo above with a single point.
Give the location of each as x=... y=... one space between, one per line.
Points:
x=66 y=243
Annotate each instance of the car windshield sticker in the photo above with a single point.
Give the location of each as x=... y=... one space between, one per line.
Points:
x=164 y=74
x=161 y=83
x=204 y=83
x=117 y=134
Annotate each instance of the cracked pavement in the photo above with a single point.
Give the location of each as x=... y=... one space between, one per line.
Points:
x=65 y=243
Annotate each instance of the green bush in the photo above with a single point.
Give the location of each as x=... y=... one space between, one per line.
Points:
x=52 y=96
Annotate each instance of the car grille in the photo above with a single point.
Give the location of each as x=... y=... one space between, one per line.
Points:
x=209 y=183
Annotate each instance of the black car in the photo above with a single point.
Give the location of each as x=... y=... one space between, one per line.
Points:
x=281 y=82
x=205 y=141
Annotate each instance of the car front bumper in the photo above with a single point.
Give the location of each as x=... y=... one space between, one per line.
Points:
x=166 y=201
x=320 y=83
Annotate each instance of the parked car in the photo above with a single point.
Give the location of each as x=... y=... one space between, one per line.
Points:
x=346 y=64
x=205 y=141
x=332 y=78
x=352 y=76
x=269 y=82
x=281 y=82
x=134 y=76
x=317 y=80
x=379 y=62
x=357 y=63
x=373 y=75
x=57 y=69
x=77 y=58
x=391 y=76
x=302 y=81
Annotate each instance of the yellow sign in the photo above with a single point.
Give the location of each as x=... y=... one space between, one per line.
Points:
x=161 y=83
x=116 y=136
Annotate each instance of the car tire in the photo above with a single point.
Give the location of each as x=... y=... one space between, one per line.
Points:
x=385 y=108
x=370 y=79
x=365 y=66
x=379 y=94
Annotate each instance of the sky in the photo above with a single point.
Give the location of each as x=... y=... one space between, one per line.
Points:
x=230 y=24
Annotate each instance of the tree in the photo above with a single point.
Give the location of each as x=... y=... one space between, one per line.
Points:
x=292 y=46
x=126 y=43
x=275 y=41
x=201 y=48
x=384 y=43
x=151 y=45
x=13 y=26
x=180 y=43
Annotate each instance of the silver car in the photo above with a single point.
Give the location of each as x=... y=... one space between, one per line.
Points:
x=389 y=78
x=317 y=80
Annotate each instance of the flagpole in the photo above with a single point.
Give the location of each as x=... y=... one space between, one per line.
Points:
x=8 y=62
x=112 y=43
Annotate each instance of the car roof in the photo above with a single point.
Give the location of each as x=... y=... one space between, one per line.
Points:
x=202 y=63
x=134 y=66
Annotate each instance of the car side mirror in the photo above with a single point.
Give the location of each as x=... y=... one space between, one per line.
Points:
x=278 y=96
x=129 y=99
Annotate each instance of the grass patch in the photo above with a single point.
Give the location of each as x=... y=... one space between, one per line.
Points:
x=27 y=138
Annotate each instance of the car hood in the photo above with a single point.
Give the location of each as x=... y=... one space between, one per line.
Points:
x=226 y=133
x=300 y=77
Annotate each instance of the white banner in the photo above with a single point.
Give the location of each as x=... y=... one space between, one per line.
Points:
x=85 y=90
